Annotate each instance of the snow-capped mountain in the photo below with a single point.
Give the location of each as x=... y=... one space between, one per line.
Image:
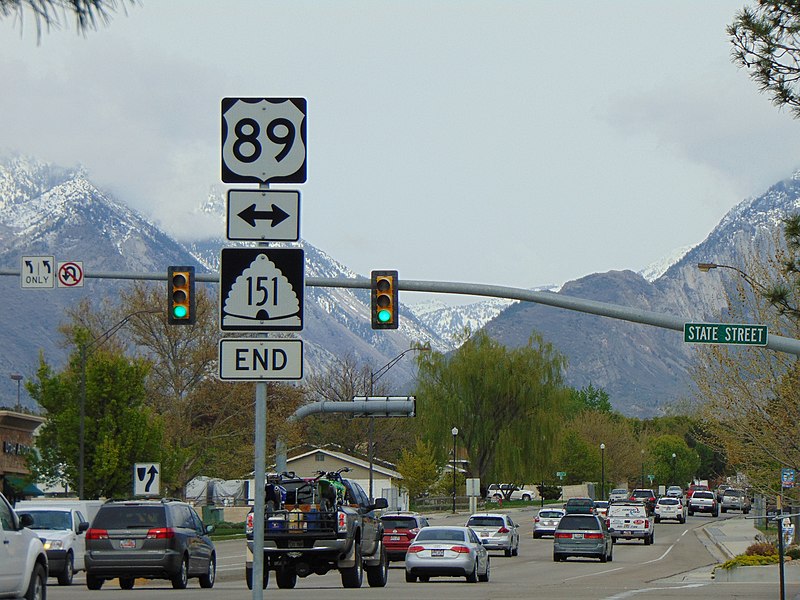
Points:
x=48 y=210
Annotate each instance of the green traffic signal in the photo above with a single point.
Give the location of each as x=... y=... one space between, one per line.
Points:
x=384 y=316
x=180 y=312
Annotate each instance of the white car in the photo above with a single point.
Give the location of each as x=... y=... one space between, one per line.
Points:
x=23 y=562
x=546 y=521
x=496 y=532
x=61 y=529
x=498 y=491
x=629 y=520
x=619 y=494
x=670 y=508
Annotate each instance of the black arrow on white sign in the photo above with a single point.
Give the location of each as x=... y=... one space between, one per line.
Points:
x=250 y=215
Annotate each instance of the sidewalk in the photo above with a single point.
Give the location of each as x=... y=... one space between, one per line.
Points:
x=730 y=538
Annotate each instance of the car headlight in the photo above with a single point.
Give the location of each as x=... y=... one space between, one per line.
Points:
x=53 y=545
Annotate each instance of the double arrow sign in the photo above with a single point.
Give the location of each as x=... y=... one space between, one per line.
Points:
x=264 y=215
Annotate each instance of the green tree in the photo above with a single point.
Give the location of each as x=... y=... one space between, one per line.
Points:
x=418 y=468
x=504 y=402
x=667 y=471
x=120 y=429
x=588 y=398
x=766 y=42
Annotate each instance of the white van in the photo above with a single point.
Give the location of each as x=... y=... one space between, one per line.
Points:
x=61 y=525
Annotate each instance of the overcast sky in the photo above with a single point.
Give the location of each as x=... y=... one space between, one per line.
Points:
x=512 y=143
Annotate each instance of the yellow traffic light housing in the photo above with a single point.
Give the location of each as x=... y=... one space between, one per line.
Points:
x=180 y=296
x=384 y=302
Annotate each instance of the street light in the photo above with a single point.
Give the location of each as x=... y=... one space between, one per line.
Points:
x=602 y=471
x=373 y=377
x=674 y=456
x=454 y=431
x=18 y=378
x=642 y=486
x=706 y=267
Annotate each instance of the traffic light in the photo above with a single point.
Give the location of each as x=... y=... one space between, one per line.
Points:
x=384 y=300
x=180 y=297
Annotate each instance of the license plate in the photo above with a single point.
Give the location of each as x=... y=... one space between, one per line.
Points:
x=394 y=538
x=295 y=543
x=127 y=544
x=437 y=552
x=577 y=536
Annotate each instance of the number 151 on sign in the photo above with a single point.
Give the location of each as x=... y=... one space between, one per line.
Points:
x=264 y=140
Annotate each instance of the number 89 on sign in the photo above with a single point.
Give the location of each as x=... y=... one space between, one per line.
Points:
x=264 y=140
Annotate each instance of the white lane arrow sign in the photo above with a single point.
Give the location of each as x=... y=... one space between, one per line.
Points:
x=264 y=215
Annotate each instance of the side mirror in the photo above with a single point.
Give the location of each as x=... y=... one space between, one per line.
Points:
x=25 y=520
x=83 y=526
x=209 y=528
x=379 y=503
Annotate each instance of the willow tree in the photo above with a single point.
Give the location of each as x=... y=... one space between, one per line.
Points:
x=505 y=403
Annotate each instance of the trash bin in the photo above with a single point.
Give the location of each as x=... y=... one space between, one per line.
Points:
x=212 y=515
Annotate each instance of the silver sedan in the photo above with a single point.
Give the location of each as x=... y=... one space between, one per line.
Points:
x=447 y=552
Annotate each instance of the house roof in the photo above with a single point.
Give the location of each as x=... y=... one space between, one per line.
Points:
x=349 y=459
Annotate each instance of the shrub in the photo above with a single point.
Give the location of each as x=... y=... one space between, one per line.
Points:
x=761 y=549
x=793 y=552
x=744 y=560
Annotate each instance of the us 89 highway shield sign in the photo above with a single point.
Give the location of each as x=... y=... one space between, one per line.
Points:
x=264 y=140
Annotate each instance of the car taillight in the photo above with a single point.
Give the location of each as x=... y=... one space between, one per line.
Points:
x=503 y=530
x=412 y=533
x=161 y=533
x=413 y=549
x=647 y=523
x=608 y=522
x=96 y=534
x=593 y=536
x=536 y=519
x=563 y=535
x=460 y=549
x=342 y=523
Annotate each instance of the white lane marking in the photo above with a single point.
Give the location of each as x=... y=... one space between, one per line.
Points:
x=630 y=593
x=593 y=574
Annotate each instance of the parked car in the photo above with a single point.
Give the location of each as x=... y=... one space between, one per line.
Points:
x=618 y=494
x=61 y=529
x=703 y=501
x=399 y=529
x=630 y=520
x=670 y=508
x=582 y=535
x=496 y=532
x=440 y=551
x=674 y=491
x=582 y=506
x=150 y=539
x=646 y=496
x=497 y=491
x=23 y=561
x=546 y=521
x=733 y=499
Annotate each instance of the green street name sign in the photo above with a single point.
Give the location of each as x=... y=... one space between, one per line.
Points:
x=725 y=333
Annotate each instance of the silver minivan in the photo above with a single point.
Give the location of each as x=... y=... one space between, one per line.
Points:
x=584 y=536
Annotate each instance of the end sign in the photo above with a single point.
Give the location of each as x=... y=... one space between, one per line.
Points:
x=725 y=333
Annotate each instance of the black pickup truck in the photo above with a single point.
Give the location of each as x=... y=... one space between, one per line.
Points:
x=316 y=525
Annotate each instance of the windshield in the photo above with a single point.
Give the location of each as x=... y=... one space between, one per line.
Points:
x=581 y=523
x=485 y=522
x=439 y=535
x=399 y=522
x=670 y=501
x=550 y=514
x=130 y=517
x=49 y=519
